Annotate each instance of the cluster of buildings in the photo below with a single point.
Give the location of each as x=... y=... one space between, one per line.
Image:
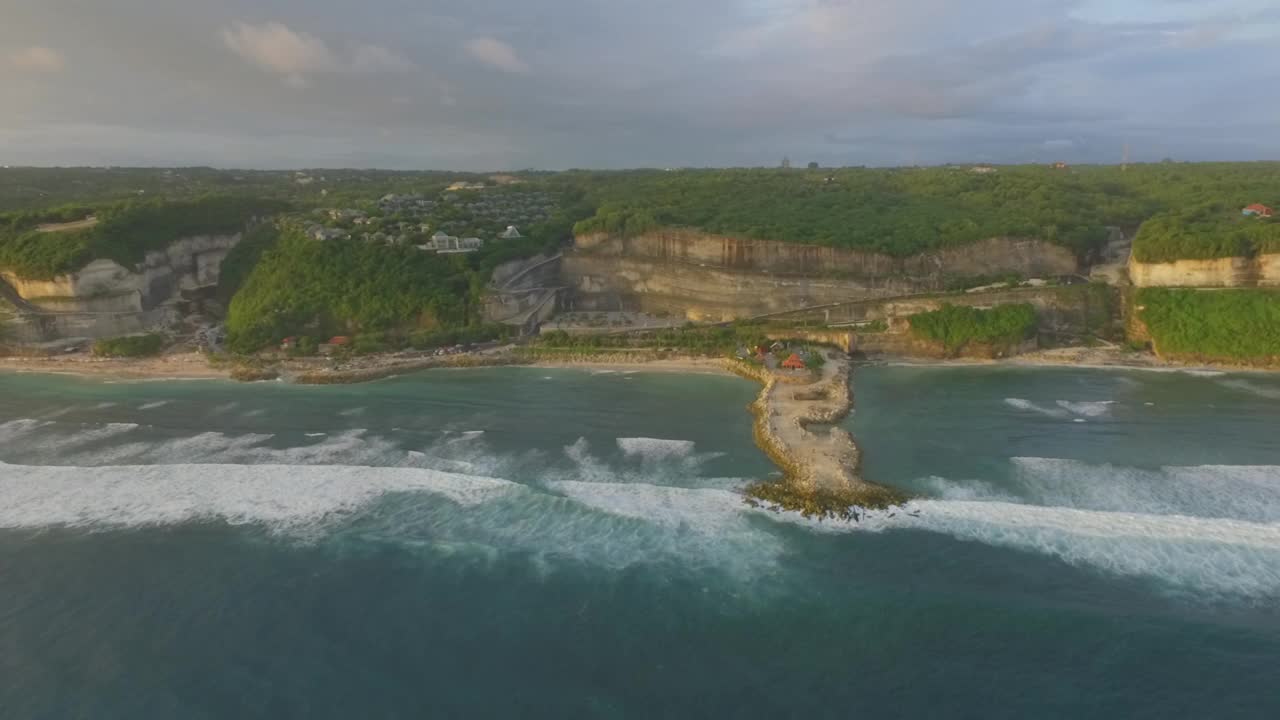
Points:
x=393 y=204
x=518 y=208
x=442 y=243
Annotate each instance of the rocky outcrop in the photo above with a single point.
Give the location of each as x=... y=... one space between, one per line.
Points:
x=105 y=286
x=1232 y=272
x=715 y=278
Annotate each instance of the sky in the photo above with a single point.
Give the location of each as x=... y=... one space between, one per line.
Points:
x=552 y=84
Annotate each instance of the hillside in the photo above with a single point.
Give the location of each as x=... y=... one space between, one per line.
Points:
x=1207 y=232
x=300 y=286
x=902 y=212
x=125 y=232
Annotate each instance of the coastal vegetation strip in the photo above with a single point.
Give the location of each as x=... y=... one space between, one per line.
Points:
x=132 y=346
x=906 y=211
x=955 y=327
x=1205 y=232
x=1226 y=326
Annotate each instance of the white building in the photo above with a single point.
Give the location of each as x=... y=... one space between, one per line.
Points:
x=511 y=233
x=447 y=244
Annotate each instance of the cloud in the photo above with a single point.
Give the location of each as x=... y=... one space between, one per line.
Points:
x=497 y=54
x=38 y=59
x=294 y=55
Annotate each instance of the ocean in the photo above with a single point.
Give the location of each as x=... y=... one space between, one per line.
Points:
x=530 y=543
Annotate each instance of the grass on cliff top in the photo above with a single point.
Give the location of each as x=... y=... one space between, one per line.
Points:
x=1205 y=233
x=1219 y=325
x=957 y=326
x=125 y=232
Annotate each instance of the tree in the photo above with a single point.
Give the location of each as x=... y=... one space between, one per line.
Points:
x=813 y=166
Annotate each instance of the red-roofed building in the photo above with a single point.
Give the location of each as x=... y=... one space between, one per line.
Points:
x=340 y=340
x=794 y=363
x=1258 y=210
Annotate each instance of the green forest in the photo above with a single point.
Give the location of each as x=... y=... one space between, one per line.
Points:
x=955 y=327
x=1205 y=232
x=298 y=286
x=905 y=211
x=125 y=231
x=1220 y=325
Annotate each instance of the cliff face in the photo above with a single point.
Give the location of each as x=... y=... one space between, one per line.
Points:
x=993 y=256
x=104 y=286
x=1261 y=271
x=708 y=277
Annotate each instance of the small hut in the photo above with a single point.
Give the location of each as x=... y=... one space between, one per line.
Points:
x=795 y=362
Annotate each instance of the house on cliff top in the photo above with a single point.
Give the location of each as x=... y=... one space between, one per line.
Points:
x=1258 y=210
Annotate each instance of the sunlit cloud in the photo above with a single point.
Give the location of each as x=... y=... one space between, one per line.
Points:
x=38 y=59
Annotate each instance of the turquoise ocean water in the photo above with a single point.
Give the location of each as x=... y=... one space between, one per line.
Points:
x=559 y=544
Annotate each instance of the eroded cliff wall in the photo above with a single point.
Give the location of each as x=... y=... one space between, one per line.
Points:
x=715 y=278
x=1233 y=272
x=104 y=286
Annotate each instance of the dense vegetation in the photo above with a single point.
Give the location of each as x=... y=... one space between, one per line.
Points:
x=305 y=287
x=125 y=232
x=130 y=346
x=1224 y=325
x=1205 y=233
x=906 y=211
x=956 y=327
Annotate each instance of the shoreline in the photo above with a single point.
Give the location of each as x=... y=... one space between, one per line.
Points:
x=195 y=366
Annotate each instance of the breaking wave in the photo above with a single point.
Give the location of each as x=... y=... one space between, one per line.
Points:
x=1215 y=529
x=1065 y=409
x=1231 y=557
x=1252 y=388
x=276 y=495
x=655 y=449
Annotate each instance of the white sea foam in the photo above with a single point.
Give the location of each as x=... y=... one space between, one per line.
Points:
x=655 y=449
x=1213 y=554
x=1027 y=405
x=1087 y=409
x=272 y=495
x=1066 y=409
x=352 y=412
x=1258 y=389
x=104 y=405
x=97 y=434
x=153 y=405
x=15 y=429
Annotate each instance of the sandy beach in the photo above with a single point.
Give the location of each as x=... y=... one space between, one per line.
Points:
x=180 y=366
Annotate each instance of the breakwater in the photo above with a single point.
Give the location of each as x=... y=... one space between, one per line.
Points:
x=821 y=464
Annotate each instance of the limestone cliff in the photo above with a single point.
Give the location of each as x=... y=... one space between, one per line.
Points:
x=715 y=278
x=105 y=286
x=1231 y=272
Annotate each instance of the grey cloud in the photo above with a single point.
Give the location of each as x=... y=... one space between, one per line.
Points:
x=558 y=83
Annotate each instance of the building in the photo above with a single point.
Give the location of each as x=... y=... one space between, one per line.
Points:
x=1060 y=166
x=441 y=243
x=1258 y=210
x=983 y=170
x=326 y=233
x=795 y=362
x=511 y=233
